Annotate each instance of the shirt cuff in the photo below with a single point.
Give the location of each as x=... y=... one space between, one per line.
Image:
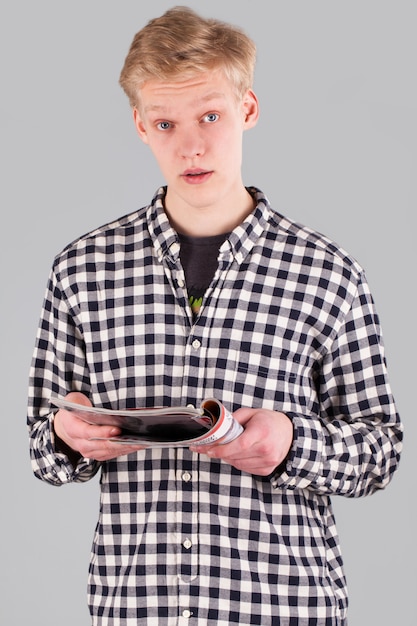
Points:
x=61 y=469
x=303 y=464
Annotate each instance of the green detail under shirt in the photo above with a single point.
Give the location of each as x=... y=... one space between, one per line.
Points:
x=199 y=260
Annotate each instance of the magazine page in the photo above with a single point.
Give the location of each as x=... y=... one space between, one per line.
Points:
x=162 y=426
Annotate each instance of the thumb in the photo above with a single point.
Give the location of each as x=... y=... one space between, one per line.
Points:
x=78 y=398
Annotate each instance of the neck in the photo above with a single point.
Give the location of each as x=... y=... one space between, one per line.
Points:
x=206 y=221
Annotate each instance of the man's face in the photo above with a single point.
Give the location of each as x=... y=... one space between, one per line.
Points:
x=194 y=128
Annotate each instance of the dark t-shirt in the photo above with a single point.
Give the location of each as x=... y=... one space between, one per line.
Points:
x=199 y=259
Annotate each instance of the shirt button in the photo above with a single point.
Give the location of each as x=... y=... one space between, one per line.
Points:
x=181 y=283
x=196 y=344
x=186 y=477
x=187 y=544
x=186 y=613
x=174 y=248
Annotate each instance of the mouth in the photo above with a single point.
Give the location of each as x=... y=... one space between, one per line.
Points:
x=196 y=176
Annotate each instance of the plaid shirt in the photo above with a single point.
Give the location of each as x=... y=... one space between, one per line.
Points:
x=288 y=324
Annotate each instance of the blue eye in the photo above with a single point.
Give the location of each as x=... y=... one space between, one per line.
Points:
x=211 y=117
x=164 y=125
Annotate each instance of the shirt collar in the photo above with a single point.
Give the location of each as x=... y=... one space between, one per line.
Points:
x=164 y=237
x=239 y=243
x=244 y=236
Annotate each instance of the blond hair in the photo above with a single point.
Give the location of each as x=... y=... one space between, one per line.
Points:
x=180 y=44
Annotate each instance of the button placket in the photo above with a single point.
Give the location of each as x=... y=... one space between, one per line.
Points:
x=187 y=519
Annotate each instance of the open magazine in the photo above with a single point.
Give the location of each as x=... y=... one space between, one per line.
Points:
x=162 y=426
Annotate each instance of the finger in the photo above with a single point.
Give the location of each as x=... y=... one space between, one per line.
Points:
x=243 y=415
x=104 y=450
x=92 y=431
x=241 y=447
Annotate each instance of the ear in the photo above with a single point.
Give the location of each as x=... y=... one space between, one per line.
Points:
x=140 y=126
x=250 y=107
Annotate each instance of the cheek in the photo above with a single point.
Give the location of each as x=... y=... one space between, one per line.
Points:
x=229 y=146
x=160 y=149
x=165 y=160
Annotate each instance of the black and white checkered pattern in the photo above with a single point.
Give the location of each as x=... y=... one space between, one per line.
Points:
x=288 y=323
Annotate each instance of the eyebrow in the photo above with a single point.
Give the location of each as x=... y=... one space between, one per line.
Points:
x=207 y=98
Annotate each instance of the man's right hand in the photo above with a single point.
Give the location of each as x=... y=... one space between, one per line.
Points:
x=78 y=436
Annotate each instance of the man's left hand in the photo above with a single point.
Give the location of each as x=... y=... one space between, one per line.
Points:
x=263 y=445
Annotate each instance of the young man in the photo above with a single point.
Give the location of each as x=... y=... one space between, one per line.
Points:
x=210 y=292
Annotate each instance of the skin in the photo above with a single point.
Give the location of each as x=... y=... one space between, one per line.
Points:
x=197 y=126
x=194 y=129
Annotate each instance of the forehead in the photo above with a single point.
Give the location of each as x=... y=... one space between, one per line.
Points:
x=203 y=88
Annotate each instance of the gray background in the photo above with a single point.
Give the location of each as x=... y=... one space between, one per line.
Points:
x=335 y=148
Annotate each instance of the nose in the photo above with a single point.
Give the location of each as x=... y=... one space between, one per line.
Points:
x=190 y=143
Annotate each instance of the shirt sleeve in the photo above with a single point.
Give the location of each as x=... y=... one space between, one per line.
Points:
x=58 y=367
x=352 y=445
